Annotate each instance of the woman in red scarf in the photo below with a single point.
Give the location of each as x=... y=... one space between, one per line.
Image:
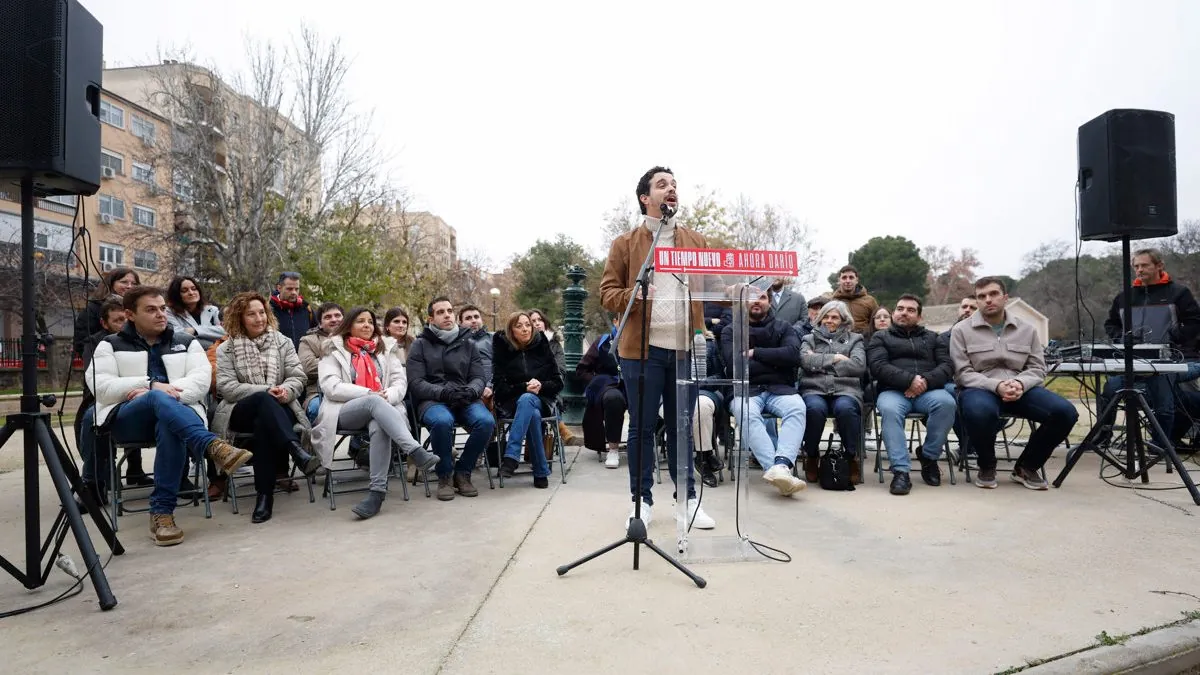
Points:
x=364 y=383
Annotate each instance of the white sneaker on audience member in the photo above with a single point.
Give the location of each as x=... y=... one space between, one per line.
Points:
x=612 y=460
x=647 y=516
x=696 y=516
x=781 y=477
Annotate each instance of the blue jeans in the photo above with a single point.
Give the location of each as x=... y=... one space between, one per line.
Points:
x=791 y=413
x=1054 y=415
x=660 y=389
x=314 y=405
x=1159 y=391
x=847 y=419
x=174 y=428
x=440 y=420
x=527 y=427
x=938 y=407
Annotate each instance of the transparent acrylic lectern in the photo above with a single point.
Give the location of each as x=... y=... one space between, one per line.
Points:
x=728 y=280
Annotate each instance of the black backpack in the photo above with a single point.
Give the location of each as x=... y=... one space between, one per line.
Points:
x=834 y=471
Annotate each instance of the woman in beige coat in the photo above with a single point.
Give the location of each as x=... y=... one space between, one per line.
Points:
x=260 y=382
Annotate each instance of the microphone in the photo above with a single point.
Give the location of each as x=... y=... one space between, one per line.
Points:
x=667 y=210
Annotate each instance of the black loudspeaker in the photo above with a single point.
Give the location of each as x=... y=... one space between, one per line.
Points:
x=1127 y=176
x=51 y=65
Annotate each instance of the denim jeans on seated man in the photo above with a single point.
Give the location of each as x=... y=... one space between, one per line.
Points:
x=441 y=420
x=789 y=408
x=938 y=407
x=660 y=388
x=174 y=428
x=526 y=428
x=1054 y=415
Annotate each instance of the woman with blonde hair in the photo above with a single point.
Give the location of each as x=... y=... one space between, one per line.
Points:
x=260 y=383
x=363 y=382
x=833 y=359
x=526 y=380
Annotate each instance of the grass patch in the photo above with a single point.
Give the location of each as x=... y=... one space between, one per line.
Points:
x=1106 y=640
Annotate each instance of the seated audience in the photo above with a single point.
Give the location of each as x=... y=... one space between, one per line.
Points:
x=260 y=382
x=881 y=320
x=832 y=361
x=542 y=325
x=1000 y=368
x=189 y=312
x=773 y=361
x=911 y=367
x=862 y=304
x=363 y=385
x=310 y=352
x=711 y=415
x=150 y=383
x=604 y=397
x=112 y=320
x=395 y=329
x=292 y=313
x=447 y=380
x=526 y=381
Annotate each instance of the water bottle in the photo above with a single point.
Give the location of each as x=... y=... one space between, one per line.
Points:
x=699 y=356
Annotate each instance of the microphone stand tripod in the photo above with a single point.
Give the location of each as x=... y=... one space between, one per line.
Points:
x=636 y=533
x=1136 y=408
x=38 y=439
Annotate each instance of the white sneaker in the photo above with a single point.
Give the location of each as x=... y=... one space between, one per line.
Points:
x=612 y=460
x=696 y=516
x=783 y=480
x=647 y=516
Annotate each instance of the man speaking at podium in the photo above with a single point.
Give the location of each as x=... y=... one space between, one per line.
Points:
x=662 y=342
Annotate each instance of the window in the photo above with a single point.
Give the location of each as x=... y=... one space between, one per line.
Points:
x=145 y=260
x=112 y=160
x=143 y=173
x=111 y=114
x=144 y=216
x=111 y=206
x=65 y=200
x=142 y=128
x=183 y=187
x=111 y=255
x=41 y=241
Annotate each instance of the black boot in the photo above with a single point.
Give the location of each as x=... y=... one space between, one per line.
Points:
x=370 y=504
x=305 y=461
x=703 y=460
x=135 y=476
x=98 y=493
x=900 y=483
x=262 y=508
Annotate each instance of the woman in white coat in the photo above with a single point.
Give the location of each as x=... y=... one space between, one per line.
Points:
x=188 y=311
x=260 y=382
x=363 y=384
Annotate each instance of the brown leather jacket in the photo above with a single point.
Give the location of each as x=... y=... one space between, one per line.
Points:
x=625 y=259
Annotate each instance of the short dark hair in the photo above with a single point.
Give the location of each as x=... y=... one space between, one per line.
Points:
x=111 y=305
x=129 y=301
x=911 y=298
x=175 y=294
x=440 y=298
x=463 y=310
x=643 y=186
x=987 y=281
x=287 y=275
x=849 y=268
x=327 y=306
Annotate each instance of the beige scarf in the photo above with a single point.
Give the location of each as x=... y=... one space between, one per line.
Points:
x=252 y=359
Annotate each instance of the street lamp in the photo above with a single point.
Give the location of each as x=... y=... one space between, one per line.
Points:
x=495 y=293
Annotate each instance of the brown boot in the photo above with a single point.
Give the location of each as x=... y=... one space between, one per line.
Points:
x=218 y=489
x=855 y=471
x=163 y=530
x=812 y=469
x=445 y=490
x=462 y=485
x=227 y=457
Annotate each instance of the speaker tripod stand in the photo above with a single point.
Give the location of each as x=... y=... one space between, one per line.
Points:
x=40 y=441
x=1137 y=413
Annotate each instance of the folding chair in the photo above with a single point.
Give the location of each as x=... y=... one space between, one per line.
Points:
x=915 y=441
x=247 y=479
x=357 y=475
x=1006 y=422
x=117 y=499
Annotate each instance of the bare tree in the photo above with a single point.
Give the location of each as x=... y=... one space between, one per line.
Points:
x=621 y=218
x=769 y=227
x=950 y=275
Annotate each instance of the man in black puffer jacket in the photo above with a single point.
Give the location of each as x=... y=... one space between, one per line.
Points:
x=446 y=380
x=911 y=365
x=773 y=354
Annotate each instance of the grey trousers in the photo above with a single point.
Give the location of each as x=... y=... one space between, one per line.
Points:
x=385 y=423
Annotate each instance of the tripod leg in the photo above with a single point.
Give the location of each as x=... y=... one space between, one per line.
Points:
x=7 y=432
x=82 y=538
x=95 y=510
x=595 y=554
x=1169 y=450
x=696 y=578
x=1088 y=443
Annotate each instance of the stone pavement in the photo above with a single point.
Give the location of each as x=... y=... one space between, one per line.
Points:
x=946 y=580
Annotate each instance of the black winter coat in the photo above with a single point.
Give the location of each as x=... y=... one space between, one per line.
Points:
x=432 y=364
x=513 y=368
x=897 y=355
x=1187 y=313
x=87 y=324
x=776 y=355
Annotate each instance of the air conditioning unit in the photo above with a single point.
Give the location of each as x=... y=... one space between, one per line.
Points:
x=107 y=172
x=107 y=267
x=106 y=219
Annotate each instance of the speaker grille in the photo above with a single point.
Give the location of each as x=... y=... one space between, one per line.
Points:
x=31 y=80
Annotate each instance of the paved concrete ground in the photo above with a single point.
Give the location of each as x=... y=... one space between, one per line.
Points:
x=945 y=580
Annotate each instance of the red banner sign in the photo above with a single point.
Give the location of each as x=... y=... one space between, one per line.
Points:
x=725 y=261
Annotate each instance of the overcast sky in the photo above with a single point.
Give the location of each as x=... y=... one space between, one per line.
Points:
x=948 y=123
